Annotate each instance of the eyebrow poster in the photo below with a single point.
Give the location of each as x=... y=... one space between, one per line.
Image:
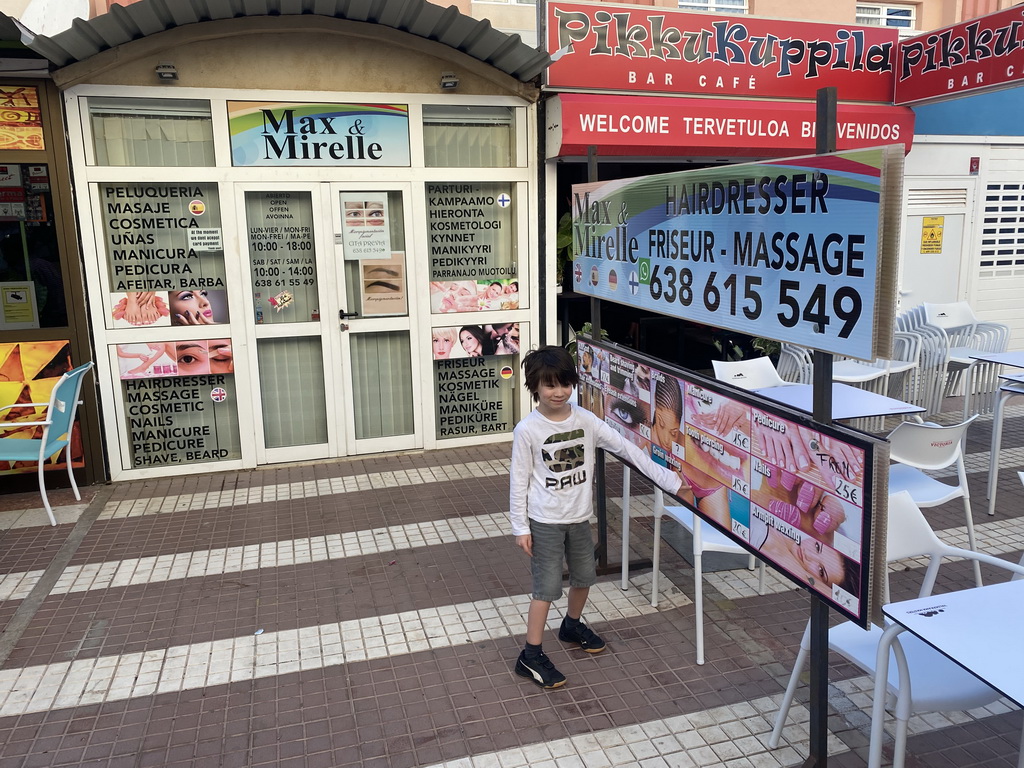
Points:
x=795 y=492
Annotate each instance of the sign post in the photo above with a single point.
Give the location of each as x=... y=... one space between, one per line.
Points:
x=818 y=635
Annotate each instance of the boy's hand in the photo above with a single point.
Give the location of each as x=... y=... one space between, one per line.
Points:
x=525 y=543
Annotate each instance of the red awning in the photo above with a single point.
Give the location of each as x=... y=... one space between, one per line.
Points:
x=624 y=126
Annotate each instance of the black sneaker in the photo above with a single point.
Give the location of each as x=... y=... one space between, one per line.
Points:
x=583 y=636
x=540 y=670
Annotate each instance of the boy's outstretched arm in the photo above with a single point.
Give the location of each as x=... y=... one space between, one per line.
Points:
x=520 y=471
x=668 y=480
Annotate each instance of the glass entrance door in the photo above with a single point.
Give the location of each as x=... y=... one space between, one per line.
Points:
x=330 y=347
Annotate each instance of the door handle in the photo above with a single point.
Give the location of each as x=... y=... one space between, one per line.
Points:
x=342 y=314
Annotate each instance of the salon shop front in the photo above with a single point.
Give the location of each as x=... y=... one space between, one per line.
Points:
x=313 y=268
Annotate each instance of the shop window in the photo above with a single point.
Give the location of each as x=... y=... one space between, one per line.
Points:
x=887 y=15
x=31 y=275
x=382 y=402
x=476 y=378
x=473 y=261
x=715 y=6
x=293 y=392
x=468 y=137
x=180 y=402
x=165 y=254
x=282 y=264
x=151 y=132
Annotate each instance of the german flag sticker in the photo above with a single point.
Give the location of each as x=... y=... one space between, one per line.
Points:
x=506 y=371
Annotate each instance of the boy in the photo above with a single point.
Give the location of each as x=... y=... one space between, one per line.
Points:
x=551 y=502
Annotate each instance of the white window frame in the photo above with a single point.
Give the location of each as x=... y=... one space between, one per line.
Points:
x=715 y=6
x=869 y=20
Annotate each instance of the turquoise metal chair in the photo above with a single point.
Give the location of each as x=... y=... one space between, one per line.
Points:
x=57 y=424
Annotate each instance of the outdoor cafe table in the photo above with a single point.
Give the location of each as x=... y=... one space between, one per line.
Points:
x=978 y=628
x=847 y=402
x=1014 y=359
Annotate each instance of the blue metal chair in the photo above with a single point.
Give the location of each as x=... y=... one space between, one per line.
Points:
x=57 y=424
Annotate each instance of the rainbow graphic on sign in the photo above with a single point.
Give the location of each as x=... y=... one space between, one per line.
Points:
x=289 y=134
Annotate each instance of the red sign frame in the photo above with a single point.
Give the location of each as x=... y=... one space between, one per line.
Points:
x=660 y=50
x=649 y=125
x=983 y=54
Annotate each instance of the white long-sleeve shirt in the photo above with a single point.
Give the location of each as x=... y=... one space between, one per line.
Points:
x=553 y=462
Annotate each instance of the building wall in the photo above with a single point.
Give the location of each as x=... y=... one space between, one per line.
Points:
x=842 y=11
x=336 y=55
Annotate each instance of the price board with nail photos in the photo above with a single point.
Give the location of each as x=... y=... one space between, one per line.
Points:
x=796 y=493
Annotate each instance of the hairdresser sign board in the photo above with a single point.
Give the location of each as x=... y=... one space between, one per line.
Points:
x=793 y=250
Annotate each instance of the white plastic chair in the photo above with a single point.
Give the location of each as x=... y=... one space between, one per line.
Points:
x=947 y=335
x=706 y=538
x=752 y=373
x=932 y=682
x=918 y=447
x=796 y=365
x=57 y=423
x=967 y=334
x=903 y=367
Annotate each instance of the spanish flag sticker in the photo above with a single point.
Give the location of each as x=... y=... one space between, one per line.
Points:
x=197 y=207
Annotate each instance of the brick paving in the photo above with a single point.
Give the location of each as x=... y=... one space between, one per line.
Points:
x=367 y=613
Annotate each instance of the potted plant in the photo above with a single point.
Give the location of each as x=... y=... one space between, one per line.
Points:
x=563 y=248
x=586 y=329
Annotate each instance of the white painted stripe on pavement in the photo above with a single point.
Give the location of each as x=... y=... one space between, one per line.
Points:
x=729 y=736
x=197 y=665
x=262 y=494
x=997 y=538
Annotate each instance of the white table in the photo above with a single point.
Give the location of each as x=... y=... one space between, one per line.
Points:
x=979 y=629
x=847 y=402
x=1013 y=386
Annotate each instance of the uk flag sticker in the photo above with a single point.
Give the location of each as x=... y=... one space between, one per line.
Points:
x=218 y=394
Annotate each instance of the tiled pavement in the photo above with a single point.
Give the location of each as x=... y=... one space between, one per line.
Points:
x=368 y=612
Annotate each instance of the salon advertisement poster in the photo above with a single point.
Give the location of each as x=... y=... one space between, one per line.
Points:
x=365 y=225
x=472 y=239
x=800 y=250
x=384 y=290
x=180 y=402
x=796 y=493
x=476 y=378
x=165 y=254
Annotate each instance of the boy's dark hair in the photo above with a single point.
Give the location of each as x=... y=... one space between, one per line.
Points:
x=549 y=365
